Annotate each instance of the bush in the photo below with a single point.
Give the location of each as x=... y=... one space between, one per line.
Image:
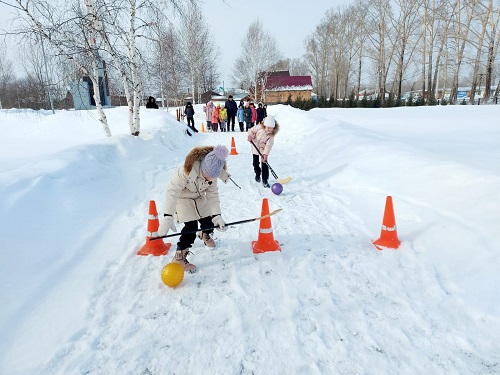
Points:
x=389 y=103
x=420 y=101
x=432 y=102
x=322 y=103
x=409 y=102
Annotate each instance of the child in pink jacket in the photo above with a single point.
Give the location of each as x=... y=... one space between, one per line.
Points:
x=262 y=135
x=215 y=118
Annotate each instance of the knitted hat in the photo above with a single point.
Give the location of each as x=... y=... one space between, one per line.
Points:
x=269 y=121
x=213 y=162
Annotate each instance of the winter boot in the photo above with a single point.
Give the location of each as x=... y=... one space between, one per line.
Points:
x=207 y=239
x=180 y=258
x=257 y=178
x=266 y=185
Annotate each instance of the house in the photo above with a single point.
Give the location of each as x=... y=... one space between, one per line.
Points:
x=371 y=94
x=208 y=95
x=280 y=88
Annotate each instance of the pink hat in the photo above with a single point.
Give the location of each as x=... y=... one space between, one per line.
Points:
x=213 y=162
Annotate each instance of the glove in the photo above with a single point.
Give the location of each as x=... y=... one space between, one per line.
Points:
x=250 y=138
x=166 y=224
x=264 y=158
x=221 y=225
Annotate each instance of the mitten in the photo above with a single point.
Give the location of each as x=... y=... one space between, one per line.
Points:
x=166 y=224
x=221 y=225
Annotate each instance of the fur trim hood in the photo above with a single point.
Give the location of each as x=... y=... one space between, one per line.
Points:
x=197 y=154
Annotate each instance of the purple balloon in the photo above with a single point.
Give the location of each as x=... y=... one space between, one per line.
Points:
x=277 y=188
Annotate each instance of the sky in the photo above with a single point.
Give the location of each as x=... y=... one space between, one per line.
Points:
x=77 y=299
x=285 y=20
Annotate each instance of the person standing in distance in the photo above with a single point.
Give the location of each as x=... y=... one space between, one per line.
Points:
x=232 y=109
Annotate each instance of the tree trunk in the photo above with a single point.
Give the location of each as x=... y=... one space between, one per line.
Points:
x=97 y=97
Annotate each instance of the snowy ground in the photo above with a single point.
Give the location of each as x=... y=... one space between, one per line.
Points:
x=76 y=299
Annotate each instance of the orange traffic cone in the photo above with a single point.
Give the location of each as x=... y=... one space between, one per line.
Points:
x=388 y=235
x=156 y=247
x=265 y=242
x=233 y=148
x=202 y=128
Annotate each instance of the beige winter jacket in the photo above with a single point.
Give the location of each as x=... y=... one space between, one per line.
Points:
x=189 y=196
x=262 y=140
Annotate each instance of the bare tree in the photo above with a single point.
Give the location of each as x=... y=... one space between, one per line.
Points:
x=69 y=37
x=493 y=39
x=380 y=36
x=172 y=64
x=406 y=22
x=296 y=66
x=86 y=33
x=6 y=78
x=479 y=37
x=462 y=16
x=317 y=52
x=259 y=52
x=199 y=52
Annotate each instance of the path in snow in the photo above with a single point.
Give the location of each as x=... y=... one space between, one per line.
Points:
x=328 y=302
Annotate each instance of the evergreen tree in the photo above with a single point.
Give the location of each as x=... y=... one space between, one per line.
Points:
x=364 y=101
x=298 y=103
x=352 y=100
x=420 y=101
x=409 y=101
x=389 y=103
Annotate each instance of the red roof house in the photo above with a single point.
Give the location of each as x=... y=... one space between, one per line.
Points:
x=278 y=89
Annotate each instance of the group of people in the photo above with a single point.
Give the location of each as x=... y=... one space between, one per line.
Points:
x=224 y=116
x=192 y=194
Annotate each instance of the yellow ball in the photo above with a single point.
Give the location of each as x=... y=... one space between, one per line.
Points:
x=172 y=274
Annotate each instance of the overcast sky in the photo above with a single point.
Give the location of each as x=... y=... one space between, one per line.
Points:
x=288 y=21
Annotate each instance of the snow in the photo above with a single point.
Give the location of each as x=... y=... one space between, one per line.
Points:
x=290 y=88
x=76 y=299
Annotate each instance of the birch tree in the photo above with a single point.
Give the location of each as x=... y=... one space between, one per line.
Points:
x=493 y=38
x=171 y=69
x=317 y=51
x=462 y=16
x=405 y=20
x=71 y=38
x=259 y=52
x=195 y=40
x=479 y=34
x=116 y=36
x=380 y=12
